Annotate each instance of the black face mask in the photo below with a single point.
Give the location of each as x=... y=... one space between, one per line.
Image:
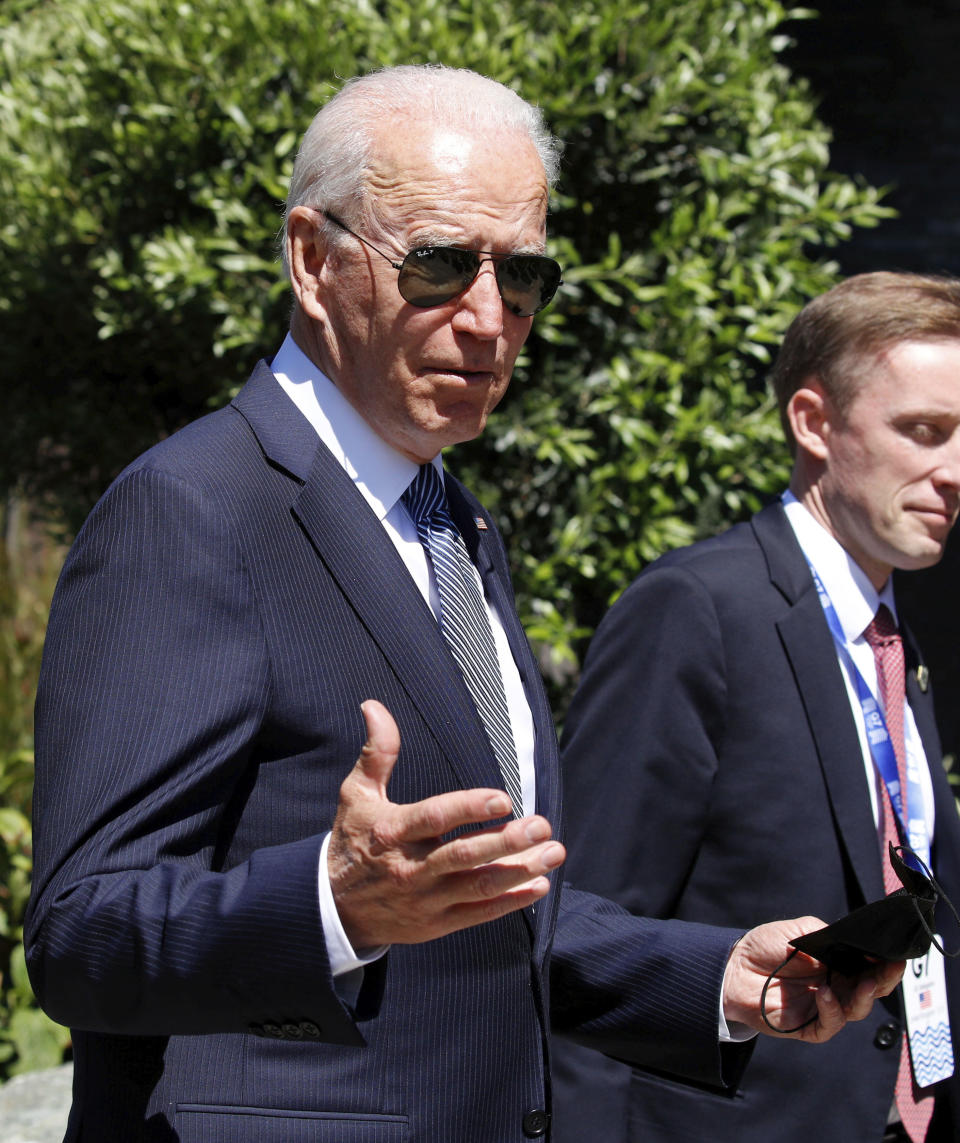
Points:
x=898 y=927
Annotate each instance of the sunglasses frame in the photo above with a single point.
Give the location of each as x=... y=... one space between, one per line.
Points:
x=481 y=255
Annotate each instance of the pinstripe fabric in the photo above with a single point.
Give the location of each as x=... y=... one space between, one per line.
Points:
x=223 y=613
x=464 y=620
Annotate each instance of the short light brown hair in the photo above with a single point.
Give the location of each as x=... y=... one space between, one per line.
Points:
x=837 y=334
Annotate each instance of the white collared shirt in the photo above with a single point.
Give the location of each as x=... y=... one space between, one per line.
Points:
x=855 y=601
x=381 y=475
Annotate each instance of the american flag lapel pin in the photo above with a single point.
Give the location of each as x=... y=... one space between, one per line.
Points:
x=923 y=677
x=481 y=523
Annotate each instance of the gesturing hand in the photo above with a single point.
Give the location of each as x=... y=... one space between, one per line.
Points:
x=395 y=881
x=799 y=992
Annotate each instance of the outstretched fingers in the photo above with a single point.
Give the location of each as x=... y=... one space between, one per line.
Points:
x=409 y=873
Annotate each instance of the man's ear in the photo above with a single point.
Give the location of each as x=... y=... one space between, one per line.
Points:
x=307 y=253
x=808 y=412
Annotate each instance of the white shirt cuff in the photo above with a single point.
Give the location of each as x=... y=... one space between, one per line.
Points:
x=340 y=952
x=732 y=1032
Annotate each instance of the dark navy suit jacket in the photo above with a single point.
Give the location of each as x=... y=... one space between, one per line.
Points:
x=224 y=611
x=712 y=744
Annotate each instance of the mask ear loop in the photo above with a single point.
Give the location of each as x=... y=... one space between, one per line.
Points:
x=939 y=895
x=763 y=999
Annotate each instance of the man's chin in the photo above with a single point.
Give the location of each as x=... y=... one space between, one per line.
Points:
x=432 y=439
x=458 y=426
x=922 y=556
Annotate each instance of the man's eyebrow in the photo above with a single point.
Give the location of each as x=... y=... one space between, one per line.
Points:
x=436 y=238
x=926 y=413
x=433 y=238
x=429 y=239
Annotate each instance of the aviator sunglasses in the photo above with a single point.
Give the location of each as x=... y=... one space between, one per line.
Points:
x=432 y=275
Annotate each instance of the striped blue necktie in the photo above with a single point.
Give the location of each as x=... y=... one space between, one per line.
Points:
x=463 y=618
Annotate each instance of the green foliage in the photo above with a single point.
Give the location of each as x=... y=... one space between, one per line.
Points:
x=953 y=776
x=145 y=148
x=145 y=152
x=695 y=207
x=28 y=565
x=28 y=1039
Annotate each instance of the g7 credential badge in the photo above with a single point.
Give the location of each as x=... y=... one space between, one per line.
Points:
x=928 y=1022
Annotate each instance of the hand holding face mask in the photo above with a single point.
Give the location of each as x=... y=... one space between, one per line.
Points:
x=898 y=927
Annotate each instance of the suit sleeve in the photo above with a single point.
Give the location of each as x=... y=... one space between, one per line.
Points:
x=644 y=990
x=154 y=686
x=640 y=749
x=639 y=759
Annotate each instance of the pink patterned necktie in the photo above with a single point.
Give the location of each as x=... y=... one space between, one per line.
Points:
x=884 y=639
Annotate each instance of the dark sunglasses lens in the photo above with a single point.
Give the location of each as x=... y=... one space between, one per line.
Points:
x=435 y=274
x=527 y=282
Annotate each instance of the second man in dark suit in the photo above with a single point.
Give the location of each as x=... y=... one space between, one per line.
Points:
x=719 y=744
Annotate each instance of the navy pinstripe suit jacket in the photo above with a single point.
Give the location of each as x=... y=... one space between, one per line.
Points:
x=224 y=611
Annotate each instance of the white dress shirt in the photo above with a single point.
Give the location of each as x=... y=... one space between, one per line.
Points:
x=381 y=475
x=855 y=601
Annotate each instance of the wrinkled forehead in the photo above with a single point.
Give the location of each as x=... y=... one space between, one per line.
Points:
x=422 y=173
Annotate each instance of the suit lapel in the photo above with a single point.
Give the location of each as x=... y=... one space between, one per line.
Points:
x=924 y=715
x=287 y=438
x=809 y=647
x=946 y=836
x=921 y=701
x=357 y=553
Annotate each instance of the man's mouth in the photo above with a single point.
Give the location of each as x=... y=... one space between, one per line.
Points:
x=937 y=515
x=465 y=374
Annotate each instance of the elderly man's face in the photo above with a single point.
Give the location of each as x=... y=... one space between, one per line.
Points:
x=891 y=485
x=427 y=378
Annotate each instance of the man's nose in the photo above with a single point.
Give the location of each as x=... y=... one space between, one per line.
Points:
x=947 y=474
x=480 y=311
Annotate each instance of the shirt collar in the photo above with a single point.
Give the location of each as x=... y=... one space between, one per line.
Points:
x=380 y=473
x=853 y=596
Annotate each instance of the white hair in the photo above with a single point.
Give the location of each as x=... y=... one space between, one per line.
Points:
x=330 y=172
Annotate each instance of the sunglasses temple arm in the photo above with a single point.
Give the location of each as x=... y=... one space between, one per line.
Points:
x=343 y=226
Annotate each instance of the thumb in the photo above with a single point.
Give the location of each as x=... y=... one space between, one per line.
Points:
x=379 y=753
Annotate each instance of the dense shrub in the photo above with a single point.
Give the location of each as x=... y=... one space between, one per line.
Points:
x=28 y=566
x=145 y=148
x=144 y=152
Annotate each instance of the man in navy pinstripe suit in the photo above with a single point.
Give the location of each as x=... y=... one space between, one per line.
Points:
x=252 y=939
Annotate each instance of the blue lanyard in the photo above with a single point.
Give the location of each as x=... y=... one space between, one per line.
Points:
x=878 y=738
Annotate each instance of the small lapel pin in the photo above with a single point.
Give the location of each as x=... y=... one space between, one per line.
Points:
x=923 y=677
x=482 y=525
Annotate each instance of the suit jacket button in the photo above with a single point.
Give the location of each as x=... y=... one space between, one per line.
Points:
x=310 y=1030
x=535 y=1123
x=273 y=1030
x=887 y=1036
x=292 y=1031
